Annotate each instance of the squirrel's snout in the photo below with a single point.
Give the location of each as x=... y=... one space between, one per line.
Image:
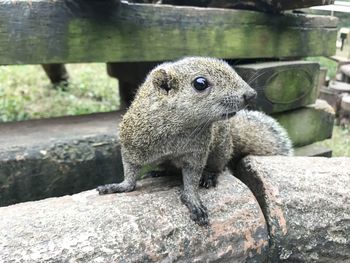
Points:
x=249 y=96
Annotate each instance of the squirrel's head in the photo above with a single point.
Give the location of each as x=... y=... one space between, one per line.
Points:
x=198 y=89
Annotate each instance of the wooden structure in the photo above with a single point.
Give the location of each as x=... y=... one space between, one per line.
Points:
x=282 y=86
x=135 y=37
x=132 y=38
x=42 y=31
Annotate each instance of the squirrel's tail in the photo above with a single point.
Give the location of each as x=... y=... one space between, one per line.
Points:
x=255 y=133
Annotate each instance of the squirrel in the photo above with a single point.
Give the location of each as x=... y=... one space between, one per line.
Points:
x=191 y=113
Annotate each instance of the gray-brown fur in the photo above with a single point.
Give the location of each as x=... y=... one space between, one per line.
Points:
x=169 y=120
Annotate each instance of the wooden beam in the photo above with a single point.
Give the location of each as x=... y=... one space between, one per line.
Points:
x=265 y=5
x=282 y=86
x=261 y=5
x=43 y=31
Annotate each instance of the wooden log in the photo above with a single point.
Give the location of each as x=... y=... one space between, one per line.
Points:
x=309 y=124
x=59 y=156
x=339 y=87
x=268 y=5
x=282 y=86
x=332 y=97
x=345 y=103
x=148 y=225
x=43 y=31
x=305 y=203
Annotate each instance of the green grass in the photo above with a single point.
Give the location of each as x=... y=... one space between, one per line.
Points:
x=331 y=65
x=340 y=142
x=26 y=92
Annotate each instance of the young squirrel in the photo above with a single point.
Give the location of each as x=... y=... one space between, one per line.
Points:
x=191 y=113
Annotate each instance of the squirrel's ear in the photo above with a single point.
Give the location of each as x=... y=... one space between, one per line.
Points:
x=161 y=79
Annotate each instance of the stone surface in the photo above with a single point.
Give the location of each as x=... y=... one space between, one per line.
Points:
x=59 y=156
x=309 y=124
x=282 y=86
x=147 y=225
x=306 y=205
x=313 y=150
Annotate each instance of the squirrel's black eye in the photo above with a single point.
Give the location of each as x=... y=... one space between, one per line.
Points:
x=200 y=83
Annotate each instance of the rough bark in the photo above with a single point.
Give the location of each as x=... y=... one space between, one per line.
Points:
x=148 y=225
x=306 y=205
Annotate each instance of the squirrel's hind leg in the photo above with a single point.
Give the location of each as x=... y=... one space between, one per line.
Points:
x=216 y=163
x=209 y=179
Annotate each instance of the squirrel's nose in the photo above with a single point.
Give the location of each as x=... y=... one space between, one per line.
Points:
x=249 y=96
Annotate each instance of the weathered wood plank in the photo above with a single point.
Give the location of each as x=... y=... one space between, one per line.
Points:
x=270 y=5
x=58 y=156
x=261 y=5
x=282 y=86
x=45 y=31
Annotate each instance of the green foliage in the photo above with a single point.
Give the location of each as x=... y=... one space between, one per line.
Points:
x=340 y=142
x=26 y=93
x=331 y=65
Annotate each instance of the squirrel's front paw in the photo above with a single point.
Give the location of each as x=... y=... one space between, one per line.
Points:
x=199 y=212
x=116 y=188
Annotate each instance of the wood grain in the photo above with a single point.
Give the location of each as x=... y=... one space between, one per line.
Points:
x=43 y=31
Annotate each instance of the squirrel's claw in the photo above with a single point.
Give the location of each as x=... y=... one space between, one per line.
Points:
x=208 y=179
x=198 y=211
x=200 y=215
